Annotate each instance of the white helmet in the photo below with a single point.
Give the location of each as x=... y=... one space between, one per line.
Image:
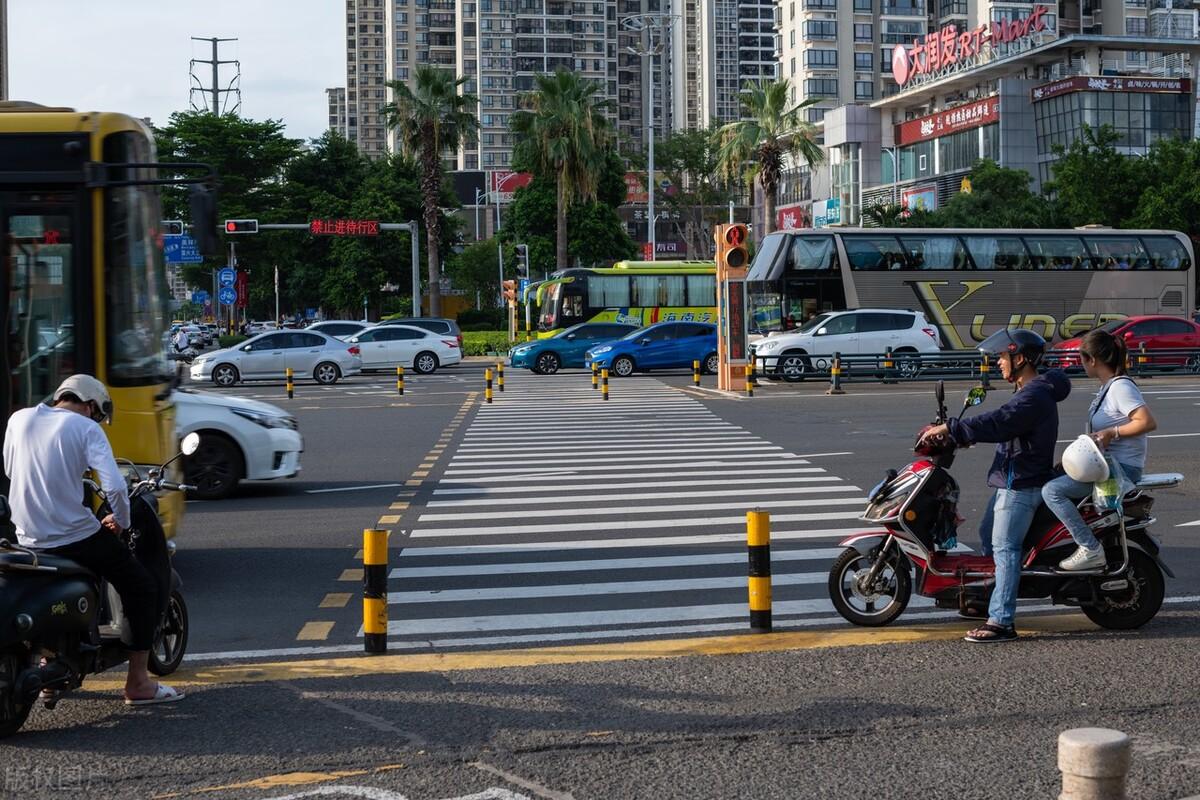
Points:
x=88 y=390
x=1084 y=462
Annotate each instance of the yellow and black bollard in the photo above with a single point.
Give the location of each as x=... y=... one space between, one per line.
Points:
x=695 y=373
x=595 y=376
x=889 y=364
x=604 y=383
x=500 y=375
x=835 y=376
x=487 y=380
x=375 y=571
x=985 y=373
x=758 y=543
x=291 y=384
x=400 y=381
x=750 y=380
x=528 y=331
x=1143 y=360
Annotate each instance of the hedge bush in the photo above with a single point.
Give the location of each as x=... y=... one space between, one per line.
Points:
x=490 y=319
x=226 y=340
x=481 y=343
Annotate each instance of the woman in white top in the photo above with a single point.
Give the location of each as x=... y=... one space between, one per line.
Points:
x=1118 y=420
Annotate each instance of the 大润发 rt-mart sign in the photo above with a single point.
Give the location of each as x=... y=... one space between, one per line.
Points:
x=948 y=50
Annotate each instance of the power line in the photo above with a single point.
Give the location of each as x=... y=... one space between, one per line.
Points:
x=210 y=96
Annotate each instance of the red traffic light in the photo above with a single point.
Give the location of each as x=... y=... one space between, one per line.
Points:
x=735 y=235
x=241 y=226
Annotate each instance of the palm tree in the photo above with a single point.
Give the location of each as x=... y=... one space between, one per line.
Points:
x=885 y=215
x=770 y=130
x=433 y=119
x=568 y=136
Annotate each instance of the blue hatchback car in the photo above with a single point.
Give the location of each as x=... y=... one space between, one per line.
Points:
x=565 y=349
x=665 y=345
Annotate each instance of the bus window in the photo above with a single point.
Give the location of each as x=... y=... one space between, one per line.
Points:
x=701 y=290
x=658 y=290
x=813 y=253
x=1058 y=252
x=1165 y=252
x=873 y=252
x=998 y=252
x=608 y=291
x=1118 y=253
x=934 y=252
x=572 y=308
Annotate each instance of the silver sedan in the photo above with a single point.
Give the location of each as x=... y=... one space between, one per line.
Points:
x=268 y=355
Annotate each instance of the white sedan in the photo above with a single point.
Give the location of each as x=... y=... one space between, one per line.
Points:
x=240 y=439
x=391 y=346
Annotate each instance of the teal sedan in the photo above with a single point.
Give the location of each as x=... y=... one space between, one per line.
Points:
x=566 y=349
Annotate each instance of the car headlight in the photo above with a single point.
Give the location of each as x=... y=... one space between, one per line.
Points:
x=519 y=351
x=266 y=420
x=765 y=344
x=599 y=350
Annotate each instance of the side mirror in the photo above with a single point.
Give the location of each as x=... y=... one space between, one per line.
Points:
x=246 y=348
x=190 y=443
x=644 y=341
x=570 y=337
x=975 y=397
x=940 y=392
x=822 y=331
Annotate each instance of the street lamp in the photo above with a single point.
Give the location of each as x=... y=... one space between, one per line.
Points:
x=654 y=29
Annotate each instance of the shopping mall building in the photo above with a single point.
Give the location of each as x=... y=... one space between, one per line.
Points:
x=1008 y=89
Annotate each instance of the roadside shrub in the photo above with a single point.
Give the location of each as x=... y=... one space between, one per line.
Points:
x=490 y=318
x=481 y=343
x=231 y=341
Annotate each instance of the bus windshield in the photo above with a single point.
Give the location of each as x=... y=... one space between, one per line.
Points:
x=548 y=312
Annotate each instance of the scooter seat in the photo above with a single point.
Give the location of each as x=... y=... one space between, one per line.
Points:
x=18 y=561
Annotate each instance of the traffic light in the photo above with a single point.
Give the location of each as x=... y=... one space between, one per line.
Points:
x=523 y=255
x=735 y=240
x=172 y=227
x=241 y=226
x=509 y=291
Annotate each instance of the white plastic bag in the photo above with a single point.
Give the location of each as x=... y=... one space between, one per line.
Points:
x=1107 y=494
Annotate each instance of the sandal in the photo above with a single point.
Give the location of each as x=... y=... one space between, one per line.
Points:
x=989 y=632
x=970 y=611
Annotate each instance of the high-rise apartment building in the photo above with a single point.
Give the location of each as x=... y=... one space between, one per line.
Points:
x=337 y=110
x=367 y=70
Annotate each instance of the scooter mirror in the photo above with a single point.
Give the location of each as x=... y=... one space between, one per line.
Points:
x=940 y=392
x=190 y=444
x=975 y=397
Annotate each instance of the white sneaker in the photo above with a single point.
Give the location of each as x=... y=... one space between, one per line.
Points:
x=1084 y=559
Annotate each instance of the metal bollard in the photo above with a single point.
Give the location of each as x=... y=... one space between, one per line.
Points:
x=695 y=373
x=1093 y=763
x=985 y=370
x=375 y=571
x=400 y=381
x=835 y=376
x=889 y=365
x=749 y=380
x=595 y=376
x=758 y=543
x=291 y=384
x=487 y=378
x=500 y=375
x=1143 y=360
x=604 y=384
x=528 y=331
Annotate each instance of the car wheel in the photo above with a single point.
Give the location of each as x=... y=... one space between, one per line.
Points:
x=1193 y=365
x=793 y=367
x=908 y=364
x=214 y=469
x=326 y=373
x=425 y=363
x=622 y=366
x=711 y=364
x=547 y=364
x=225 y=375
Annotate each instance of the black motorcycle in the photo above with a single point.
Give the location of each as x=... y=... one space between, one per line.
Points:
x=59 y=622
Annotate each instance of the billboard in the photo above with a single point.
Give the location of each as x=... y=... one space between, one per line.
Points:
x=827 y=212
x=919 y=197
x=794 y=217
x=505 y=183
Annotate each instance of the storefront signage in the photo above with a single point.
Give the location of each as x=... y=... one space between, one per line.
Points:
x=919 y=198
x=827 y=212
x=790 y=218
x=952 y=120
x=949 y=49
x=1095 y=83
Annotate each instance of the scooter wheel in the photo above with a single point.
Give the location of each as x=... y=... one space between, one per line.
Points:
x=171 y=642
x=13 y=711
x=882 y=603
x=1137 y=603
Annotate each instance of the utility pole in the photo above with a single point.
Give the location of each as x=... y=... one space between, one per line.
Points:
x=211 y=93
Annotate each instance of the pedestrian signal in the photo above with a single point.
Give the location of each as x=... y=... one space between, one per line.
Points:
x=735 y=251
x=509 y=291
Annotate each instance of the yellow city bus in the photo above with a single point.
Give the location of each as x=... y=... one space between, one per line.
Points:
x=83 y=281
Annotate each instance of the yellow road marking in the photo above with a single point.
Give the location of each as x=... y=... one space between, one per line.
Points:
x=590 y=653
x=335 y=599
x=389 y=519
x=425 y=465
x=397 y=507
x=314 y=632
x=351 y=574
x=412 y=483
x=421 y=473
x=273 y=782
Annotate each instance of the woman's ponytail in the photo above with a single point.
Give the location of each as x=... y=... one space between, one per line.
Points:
x=1107 y=349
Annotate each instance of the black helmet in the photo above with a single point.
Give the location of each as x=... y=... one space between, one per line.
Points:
x=1015 y=340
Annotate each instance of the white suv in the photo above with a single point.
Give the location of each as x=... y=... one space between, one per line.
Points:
x=862 y=331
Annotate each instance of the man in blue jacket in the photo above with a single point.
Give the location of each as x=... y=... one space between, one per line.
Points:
x=1025 y=429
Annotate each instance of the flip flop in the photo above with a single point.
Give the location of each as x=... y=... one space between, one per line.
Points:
x=164 y=694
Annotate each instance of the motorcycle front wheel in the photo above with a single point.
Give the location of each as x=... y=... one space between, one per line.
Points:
x=171 y=642
x=13 y=712
x=874 y=605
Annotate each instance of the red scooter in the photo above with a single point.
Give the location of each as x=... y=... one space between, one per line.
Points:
x=871 y=582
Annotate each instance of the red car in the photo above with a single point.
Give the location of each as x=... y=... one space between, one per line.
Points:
x=1157 y=333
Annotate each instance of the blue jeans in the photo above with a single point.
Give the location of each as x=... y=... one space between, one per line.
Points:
x=1012 y=511
x=1061 y=495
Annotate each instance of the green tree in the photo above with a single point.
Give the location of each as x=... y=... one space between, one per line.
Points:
x=476 y=269
x=771 y=130
x=565 y=136
x=1093 y=182
x=999 y=198
x=1170 y=198
x=885 y=215
x=433 y=118
x=699 y=193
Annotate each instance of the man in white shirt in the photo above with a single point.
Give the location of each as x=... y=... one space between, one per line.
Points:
x=180 y=340
x=47 y=451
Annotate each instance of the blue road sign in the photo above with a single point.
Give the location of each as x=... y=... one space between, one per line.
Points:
x=522 y=285
x=227 y=295
x=226 y=276
x=199 y=297
x=181 y=249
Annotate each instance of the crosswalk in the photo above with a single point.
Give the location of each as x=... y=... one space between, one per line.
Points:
x=561 y=517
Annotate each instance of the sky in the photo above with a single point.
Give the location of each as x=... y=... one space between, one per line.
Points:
x=132 y=55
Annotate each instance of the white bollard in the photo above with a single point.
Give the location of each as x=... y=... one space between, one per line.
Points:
x=1094 y=763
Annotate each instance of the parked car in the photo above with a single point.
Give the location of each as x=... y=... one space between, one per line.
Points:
x=1156 y=332
x=792 y=354
x=338 y=328
x=566 y=349
x=435 y=324
x=261 y=327
x=198 y=337
x=664 y=345
x=268 y=355
x=240 y=439
x=391 y=346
